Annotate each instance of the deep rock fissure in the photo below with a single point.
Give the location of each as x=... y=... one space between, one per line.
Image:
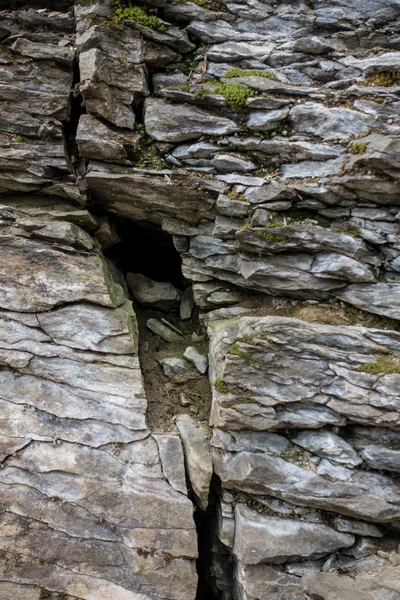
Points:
x=146 y=249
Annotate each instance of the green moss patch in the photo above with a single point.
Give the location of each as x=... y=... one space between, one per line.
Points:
x=235 y=94
x=137 y=14
x=384 y=79
x=385 y=364
x=233 y=195
x=358 y=148
x=220 y=386
x=249 y=73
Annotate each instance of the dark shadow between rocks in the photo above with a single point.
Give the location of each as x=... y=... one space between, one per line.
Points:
x=147 y=249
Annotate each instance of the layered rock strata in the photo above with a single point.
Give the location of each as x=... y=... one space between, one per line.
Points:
x=264 y=138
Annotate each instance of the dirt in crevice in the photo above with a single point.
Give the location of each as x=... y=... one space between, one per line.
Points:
x=163 y=396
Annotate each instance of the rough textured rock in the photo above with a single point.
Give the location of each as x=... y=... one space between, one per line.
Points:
x=74 y=411
x=260 y=539
x=300 y=375
x=197 y=456
x=261 y=139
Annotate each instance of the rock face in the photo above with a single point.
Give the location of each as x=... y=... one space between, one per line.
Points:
x=259 y=141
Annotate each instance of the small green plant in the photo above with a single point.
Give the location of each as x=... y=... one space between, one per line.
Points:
x=220 y=386
x=135 y=13
x=249 y=73
x=207 y=4
x=270 y=238
x=384 y=79
x=44 y=593
x=358 y=148
x=201 y=94
x=184 y=87
x=62 y=596
x=18 y=139
x=235 y=94
x=245 y=226
x=384 y=365
x=150 y=157
x=233 y=195
x=274 y=225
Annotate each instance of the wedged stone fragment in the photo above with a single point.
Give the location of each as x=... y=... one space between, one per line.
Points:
x=228 y=51
x=371 y=578
x=172 y=461
x=378 y=456
x=328 y=445
x=380 y=298
x=161 y=295
x=309 y=238
x=197 y=359
x=263 y=473
x=226 y=163
x=110 y=86
x=163 y=331
x=197 y=456
x=265 y=121
x=262 y=539
x=357 y=527
x=40 y=51
x=267 y=582
x=178 y=123
x=187 y=304
x=99 y=142
x=179 y=370
x=141 y=196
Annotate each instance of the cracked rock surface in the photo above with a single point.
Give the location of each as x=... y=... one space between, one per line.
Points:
x=253 y=148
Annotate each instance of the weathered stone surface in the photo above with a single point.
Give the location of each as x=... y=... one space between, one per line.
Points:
x=330 y=123
x=357 y=527
x=168 y=123
x=73 y=406
x=141 y=196
x=197 y=456
x=261 y=539
x=371 y=578
x=381 y=298
x=328 y=445
x=299 y=374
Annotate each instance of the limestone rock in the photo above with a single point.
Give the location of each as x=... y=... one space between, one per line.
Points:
x=169 y=123
x=179 y=370
x=163 y=331
x=197 y=456
x=197 y=359
x=280 y=377
x=260 y=538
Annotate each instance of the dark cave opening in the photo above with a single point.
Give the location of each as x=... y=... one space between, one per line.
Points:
x=146 y=249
